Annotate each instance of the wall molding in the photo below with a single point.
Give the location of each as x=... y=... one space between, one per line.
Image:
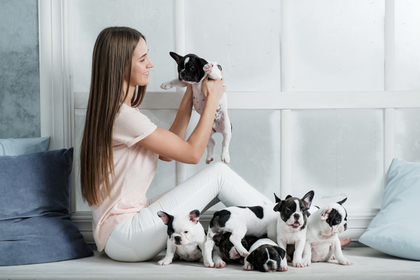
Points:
x=287 y=100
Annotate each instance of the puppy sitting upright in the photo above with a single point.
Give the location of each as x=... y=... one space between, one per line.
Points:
x=186 y=237
x=192 y=70
x=322 y=240
x=291 y=224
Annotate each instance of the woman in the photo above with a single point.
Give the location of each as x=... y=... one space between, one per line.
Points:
x=121 y=146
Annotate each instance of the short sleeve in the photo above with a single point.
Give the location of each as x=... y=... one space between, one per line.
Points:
x=131 y=126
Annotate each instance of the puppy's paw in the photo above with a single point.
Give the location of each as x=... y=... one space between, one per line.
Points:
x=345 y=261
x=208 y=68
x=247 y=266
x=209 y=264
x=283 y=265
x=220 y=264
x=306 y=262
x=225 y=158
x=208 y=160
x=164 y=261
x=166 y=86
x=244 y=254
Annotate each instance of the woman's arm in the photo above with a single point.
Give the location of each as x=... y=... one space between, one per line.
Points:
x=183 y=116
x=167 y=144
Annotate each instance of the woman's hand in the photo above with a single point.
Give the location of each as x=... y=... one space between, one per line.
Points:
x=213 y=88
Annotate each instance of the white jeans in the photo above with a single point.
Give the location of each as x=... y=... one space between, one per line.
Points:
x=144 y=236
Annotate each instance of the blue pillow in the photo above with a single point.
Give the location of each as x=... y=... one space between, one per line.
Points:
x=35 y=223
x=20 y=146
x=395 y=230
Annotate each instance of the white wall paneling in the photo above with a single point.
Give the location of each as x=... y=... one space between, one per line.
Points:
x=318 y=93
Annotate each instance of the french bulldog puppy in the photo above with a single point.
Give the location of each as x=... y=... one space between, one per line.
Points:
x=227 y=250
x=291 y=225
x=266 y=256
x=192 y=70
x=241 y=221
x=186 y=237
x=322 y=240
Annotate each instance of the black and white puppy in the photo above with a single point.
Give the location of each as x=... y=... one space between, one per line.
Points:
x=265 y=255
x=186 y=237
x=227 y=250
x=192 y=70
x=291 y=225
x=241 y=221
x=322 y=240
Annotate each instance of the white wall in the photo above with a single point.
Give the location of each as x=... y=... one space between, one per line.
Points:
x=322 y=93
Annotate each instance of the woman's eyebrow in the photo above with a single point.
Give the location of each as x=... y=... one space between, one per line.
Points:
x=145 y=54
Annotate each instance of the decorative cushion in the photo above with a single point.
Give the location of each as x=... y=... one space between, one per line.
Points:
x=396 y=228
x=35 y=223
x=20 y=146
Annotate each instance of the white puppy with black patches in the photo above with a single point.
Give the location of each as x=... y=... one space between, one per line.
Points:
x=291 y=225
x=192 y=70
x=322 y=240
x=186 y=237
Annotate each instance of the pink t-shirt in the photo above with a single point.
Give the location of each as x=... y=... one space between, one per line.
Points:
x=135 y=167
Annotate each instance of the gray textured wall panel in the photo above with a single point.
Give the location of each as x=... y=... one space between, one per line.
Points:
x=19 y=69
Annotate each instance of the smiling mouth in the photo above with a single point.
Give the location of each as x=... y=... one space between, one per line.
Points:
x=295 y=224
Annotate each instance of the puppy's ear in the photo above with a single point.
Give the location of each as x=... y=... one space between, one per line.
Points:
x=325 y=214
x=276 y=198
x=203 y=61
x=176 y=56
x=278 y=206
x=289 y=196
x=307 y=199
x=165 y=217
x=194 y=216
x=281 y=251
x=341 y=202
x=251 y=257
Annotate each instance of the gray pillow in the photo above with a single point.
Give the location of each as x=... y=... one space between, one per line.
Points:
x=35 y=223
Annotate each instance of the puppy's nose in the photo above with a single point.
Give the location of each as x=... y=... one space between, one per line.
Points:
x=177 y=240
x=296 y=216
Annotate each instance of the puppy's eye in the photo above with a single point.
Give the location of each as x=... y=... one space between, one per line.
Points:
x=303 y=210
x=192 y=68
x=338 y=220
x=287 y=211
x=185 y=232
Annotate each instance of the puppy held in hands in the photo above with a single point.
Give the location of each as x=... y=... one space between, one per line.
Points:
x=186 y=237
x=192 y=70
x=322 y=240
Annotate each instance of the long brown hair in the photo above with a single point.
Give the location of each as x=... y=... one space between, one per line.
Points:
x=112 y=57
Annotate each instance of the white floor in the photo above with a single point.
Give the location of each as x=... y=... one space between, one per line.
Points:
x=368 y=264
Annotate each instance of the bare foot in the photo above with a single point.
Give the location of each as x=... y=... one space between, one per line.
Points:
x=345 y=241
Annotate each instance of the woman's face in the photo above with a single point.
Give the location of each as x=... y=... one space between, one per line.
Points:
x=140 y=65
